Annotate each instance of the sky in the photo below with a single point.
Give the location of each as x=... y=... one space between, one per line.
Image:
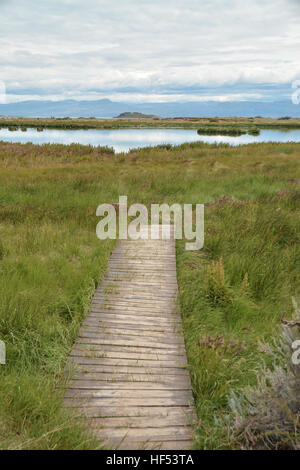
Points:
x=149 y=50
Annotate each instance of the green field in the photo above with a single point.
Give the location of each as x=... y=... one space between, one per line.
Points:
x=232 y=292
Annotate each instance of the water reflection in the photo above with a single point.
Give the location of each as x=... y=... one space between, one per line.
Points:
x=124 y=139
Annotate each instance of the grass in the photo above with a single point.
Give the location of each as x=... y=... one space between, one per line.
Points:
x=225 y=123
x=232 y=130
x=267 y=416
x=232 y=293
x=245 y=278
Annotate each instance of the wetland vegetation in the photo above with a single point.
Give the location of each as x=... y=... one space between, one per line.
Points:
x=232 y=293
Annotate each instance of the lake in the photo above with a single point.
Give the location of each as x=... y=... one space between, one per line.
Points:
x=123 y=140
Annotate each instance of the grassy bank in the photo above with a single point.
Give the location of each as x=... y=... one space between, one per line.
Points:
x=186 y=123
x=232 y=293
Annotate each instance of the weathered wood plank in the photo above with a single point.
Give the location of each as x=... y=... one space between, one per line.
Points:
x=129 y=331
x=91 y=401
x=96 y=351
x=158 y=316
x=175 y=433
x=128 y=394
x=134 y=300
x=127 y=444
x=130 y=328
x=138 y=411
x=119 y=341
x=131 y=377
x=131 y=351
x=109 y=325
x=127 y=362
x=120 y=369
x=95 y=332
x=119 y=385
x=154 y=318
x=140 y=422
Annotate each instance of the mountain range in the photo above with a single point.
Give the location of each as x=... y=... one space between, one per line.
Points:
x=106 y=108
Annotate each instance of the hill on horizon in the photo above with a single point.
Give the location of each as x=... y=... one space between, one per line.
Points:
x=106 y=108
x=136 y=115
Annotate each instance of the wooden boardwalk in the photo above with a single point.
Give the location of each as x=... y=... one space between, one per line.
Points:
x=130 y=372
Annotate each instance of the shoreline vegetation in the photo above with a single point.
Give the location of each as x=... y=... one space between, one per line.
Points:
x=223 y=126
x=228 y=130
x=232 y=293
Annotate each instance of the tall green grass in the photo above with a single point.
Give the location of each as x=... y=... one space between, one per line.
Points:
x=232 y=298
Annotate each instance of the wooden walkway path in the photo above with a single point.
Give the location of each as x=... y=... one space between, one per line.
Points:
x=130 y=375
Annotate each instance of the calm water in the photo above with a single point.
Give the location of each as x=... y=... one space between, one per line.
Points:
x=124 y=139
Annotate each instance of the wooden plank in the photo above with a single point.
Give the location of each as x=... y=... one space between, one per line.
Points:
x=127 y=286
x=137 y=304
x=143 y=274
x=133 y=295
x=128 y=394
x=136 y=411
x=120 y=369
x=140 y=281
x=115 y=287
x=119 y=385
x=163 y=266
x=125 y=278
x=131 y=351
x=133 y=313
x=149 y=402
x=100 y=333
x=96 y=351
x=130 y=326
x=130 y=292
x=131 y=331
x=127 y=444
x=127 y=362
x=159 y=314
x=119 y=341
x=143 y=268
x=175 y=380
x=137 y=300
x=130 y=340
x=175 y=433
x=143 y=318
x=167 y=334
x=107 y=317
x=140 y=422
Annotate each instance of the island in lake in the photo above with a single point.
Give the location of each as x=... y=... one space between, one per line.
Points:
x=136 y=116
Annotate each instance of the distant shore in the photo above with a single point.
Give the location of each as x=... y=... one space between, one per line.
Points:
x=15 y=123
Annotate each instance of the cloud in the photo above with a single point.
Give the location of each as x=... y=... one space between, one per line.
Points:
x=74 y=48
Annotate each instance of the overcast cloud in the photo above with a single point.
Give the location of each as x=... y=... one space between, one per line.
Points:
x=149 y=50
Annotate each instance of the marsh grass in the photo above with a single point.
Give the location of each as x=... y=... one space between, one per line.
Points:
x=223 y=123
x=267 y=416
x=235 y=289
x=227 y=130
